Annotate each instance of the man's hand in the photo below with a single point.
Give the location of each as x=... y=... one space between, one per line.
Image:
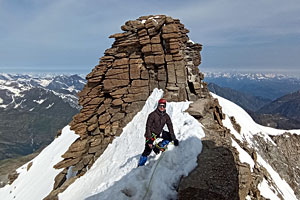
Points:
x=176 y=142
x=150 y=143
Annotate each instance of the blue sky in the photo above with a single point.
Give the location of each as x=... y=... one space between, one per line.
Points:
x=71 y=35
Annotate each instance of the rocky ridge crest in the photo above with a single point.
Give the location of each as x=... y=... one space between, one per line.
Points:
x=155 y=52
x=152 y=52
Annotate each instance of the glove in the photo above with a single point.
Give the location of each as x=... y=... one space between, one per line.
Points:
x=176 y=142
x=149 y=141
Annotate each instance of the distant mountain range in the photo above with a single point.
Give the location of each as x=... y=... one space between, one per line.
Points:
x=287 y=105
x=246 y=101
x=282 y=113
x=13 y=88
x=33 y=109
x=266 y=85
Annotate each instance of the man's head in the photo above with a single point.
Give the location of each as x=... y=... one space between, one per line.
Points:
x=162 y=105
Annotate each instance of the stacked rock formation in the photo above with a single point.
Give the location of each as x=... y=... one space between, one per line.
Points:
x=152 y=52
x=155 y=52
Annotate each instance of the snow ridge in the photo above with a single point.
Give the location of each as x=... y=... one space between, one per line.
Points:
x=115 y=176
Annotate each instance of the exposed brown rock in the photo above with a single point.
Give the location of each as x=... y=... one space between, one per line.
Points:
x=110 y=84
x=149 y=60
x=29 y=166
x=67 y=163
x=139 y=83
x=117 y=117
x=104 y=118
x=149 y=55
x=159 y=59
x=12 y=177
x=135 y=71
x=117 y=102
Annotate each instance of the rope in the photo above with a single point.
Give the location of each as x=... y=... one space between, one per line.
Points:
x=148 y=187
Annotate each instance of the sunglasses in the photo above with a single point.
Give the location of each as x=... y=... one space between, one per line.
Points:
x=162 y=105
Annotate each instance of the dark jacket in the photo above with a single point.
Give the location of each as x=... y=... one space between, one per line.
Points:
x=156 y=122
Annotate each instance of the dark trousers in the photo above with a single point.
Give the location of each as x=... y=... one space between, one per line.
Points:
x=165 y=136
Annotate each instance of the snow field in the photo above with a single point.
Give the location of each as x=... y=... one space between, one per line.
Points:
x=115 y=174
x=38 y=181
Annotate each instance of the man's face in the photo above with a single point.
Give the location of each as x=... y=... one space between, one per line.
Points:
x=162 y=107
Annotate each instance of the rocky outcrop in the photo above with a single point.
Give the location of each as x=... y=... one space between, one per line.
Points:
x=152 y=52
x=220 y=174
x=155 y=52
x=283 y=156
x=216 y=176
x=12 y=176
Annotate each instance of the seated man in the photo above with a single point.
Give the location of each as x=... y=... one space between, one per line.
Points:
x=154 y=127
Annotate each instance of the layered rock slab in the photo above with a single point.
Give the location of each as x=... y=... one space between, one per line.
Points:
x=152 y=52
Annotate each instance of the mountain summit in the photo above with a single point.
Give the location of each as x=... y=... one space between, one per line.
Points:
x=220 y=156
x=152 y=52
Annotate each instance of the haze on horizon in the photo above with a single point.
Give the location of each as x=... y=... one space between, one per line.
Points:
x=69 y=36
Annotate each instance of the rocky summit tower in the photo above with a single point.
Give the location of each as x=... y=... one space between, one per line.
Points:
x=152 y=52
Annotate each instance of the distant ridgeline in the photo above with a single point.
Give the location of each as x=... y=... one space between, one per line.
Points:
x=33 y=108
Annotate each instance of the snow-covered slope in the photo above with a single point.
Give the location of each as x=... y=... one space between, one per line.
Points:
x=38 y=181
x=248 y=129
x=114 y=175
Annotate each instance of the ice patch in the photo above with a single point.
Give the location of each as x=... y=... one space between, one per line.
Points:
x=18 y=104
x=44 y=82
x=39 y=101
x=50 y=105
x=71 y=88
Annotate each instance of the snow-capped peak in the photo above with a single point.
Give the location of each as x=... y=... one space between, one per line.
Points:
x=249 y=75
x=13 y=88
